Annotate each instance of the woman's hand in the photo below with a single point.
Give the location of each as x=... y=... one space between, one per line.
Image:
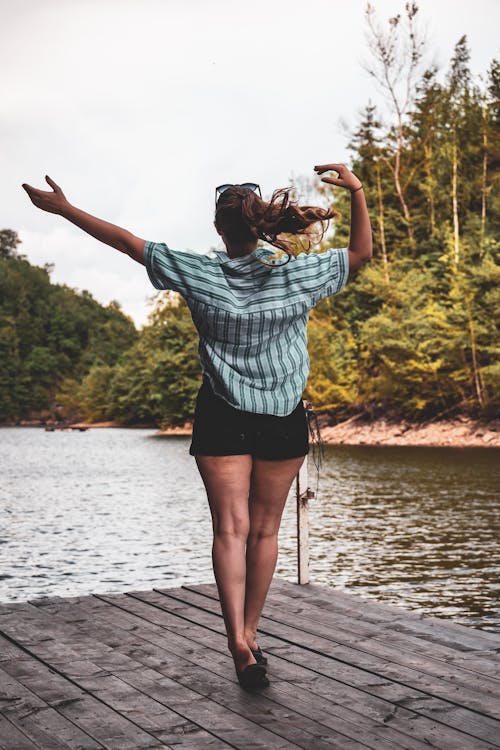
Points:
x=360 y=246
x=345 y=178
x=54 y=201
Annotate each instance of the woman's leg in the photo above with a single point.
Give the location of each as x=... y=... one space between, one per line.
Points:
x=269 y=487
x=227 y=482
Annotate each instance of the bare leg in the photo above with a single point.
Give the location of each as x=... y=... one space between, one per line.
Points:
x=269 y=488
x=227 y=482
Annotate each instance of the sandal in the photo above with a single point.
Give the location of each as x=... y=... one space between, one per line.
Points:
x=258 y=655
x=253 y=677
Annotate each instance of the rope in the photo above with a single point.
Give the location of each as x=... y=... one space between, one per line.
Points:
x=318 y=451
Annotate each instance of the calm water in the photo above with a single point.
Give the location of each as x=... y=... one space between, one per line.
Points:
x=122 y=510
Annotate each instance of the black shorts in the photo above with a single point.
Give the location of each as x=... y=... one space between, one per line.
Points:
x=220 y=429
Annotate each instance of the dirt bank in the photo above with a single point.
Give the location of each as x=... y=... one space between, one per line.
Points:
x=461 y=432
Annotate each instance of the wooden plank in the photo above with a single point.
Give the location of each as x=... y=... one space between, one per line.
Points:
x=373 y=611
x=459 y=645
x=374 y=735
x=337 y=691
x=423 y=699
x=460 y=635
x=477 y=691
x=34 y=718
x=154 y=717
x=485 y=662
x=189 y=701
x=430 y=658
x=152 y=655
x=282 y=724
x=152 y=648
x=90 y=715
x=11 y=738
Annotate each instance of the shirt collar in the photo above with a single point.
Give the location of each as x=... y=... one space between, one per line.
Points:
x=248 y=259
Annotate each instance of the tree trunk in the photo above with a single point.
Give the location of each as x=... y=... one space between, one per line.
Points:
x=382 y=225
x=475 y=369
x=399 y=189
x=484 y=183
x=430 y=187
x=454 y=191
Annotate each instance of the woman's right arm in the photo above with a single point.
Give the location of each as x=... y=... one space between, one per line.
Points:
x=54 y=201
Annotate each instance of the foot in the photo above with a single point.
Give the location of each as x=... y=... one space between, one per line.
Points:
x=253 y=645
x=251 y=641
x=251 y=675
x=242 y=655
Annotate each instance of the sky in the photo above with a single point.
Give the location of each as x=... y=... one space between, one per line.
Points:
x=138 y=109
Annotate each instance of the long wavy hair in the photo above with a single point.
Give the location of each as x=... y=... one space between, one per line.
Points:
x=244 y=216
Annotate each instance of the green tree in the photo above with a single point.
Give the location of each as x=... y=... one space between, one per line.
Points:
x=158 y=379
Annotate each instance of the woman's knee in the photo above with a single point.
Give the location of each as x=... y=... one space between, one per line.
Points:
x=235 y=525
x=267 y=531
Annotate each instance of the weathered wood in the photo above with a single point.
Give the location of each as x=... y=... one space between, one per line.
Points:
x=116 y=692
x=166 y=657
x=302 y=494
x=147 y=669
x=342 y=615
x=372 y=735
x=11 y=737
x=387 y=619
x=154 y=616
x=375 y=611
x=366 y=650
x=37 y=720
x=393 y=690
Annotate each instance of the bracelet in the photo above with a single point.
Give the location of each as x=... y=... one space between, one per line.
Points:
x=360 y=188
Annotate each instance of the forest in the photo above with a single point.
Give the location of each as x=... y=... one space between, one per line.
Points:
x=414 y=334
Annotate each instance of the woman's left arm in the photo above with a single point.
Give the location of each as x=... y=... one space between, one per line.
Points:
x=360 y=245
x=54 y=201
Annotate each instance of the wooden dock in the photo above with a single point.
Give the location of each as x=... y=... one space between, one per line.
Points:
x=150 y=669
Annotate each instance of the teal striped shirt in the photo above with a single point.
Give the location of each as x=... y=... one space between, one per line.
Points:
x=251 y=319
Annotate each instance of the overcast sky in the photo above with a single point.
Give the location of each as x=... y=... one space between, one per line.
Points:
x=139 y=108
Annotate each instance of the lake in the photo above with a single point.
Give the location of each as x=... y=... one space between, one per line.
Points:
x=112 y=510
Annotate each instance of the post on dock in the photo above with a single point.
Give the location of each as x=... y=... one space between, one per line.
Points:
x=303 y=495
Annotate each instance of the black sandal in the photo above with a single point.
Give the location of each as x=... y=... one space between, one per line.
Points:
x=253 y=677
x=258 y=655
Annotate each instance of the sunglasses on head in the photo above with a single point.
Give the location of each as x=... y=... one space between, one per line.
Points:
x=248 y=185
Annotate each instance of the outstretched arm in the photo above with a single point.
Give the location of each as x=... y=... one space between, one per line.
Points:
x=360 y=240
x=54 y=201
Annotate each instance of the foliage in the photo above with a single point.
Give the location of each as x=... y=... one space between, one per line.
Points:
x=420 y=319
x=49 y=333
x=415 y=333
x=158 y=379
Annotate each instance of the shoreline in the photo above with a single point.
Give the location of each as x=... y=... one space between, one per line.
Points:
x=460 y=432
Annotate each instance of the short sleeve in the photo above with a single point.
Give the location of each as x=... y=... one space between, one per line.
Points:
x=172 y=269
x=321 y=275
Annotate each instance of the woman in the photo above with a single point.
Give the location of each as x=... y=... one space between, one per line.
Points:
x=250 y=432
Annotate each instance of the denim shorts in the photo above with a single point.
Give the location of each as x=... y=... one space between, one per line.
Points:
x=220 y=429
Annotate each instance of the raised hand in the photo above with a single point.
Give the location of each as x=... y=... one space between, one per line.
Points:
x=345 y=177
x=54 y=201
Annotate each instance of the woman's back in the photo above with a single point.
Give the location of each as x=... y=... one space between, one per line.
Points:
x=251 y=318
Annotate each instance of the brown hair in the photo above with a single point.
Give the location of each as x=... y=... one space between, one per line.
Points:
x=243 y=215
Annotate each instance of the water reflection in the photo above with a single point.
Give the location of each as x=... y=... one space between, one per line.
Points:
x=120 y=510
x=417 y=527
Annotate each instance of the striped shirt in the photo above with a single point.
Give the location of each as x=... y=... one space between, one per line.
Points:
x=251 y=318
